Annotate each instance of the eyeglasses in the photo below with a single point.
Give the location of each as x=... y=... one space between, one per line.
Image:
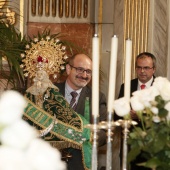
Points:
x=144 y=68
x=81 y=70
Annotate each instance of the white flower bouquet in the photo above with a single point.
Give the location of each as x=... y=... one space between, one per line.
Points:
x=151 y=140
x=20 y=149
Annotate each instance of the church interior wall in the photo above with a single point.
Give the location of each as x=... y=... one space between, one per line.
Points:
x=81 y=31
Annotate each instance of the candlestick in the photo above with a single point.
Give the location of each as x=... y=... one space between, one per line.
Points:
x=111 y=97
x=125 y=125
x=128 y=58
x=125 y=149
x=112 y=73
x=95 y=76
x=94 y=147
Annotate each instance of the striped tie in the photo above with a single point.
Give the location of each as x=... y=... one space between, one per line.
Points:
x=73 y=100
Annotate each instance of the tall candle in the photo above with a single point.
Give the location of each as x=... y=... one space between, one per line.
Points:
x=95 y=76
x=112 y=73
x=128 y=55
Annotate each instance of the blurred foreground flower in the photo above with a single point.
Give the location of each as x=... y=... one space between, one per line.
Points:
x=151 y=140
x=20 y=148
x=121 y=107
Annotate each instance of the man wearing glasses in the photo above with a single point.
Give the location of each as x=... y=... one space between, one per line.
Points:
x=145 y=69
x=79 y=71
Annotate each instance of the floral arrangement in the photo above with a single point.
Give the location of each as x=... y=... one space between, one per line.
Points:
x=150 y=140
x=20 y=149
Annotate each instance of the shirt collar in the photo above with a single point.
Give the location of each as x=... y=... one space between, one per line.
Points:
x=148 y=84
x=68 y=89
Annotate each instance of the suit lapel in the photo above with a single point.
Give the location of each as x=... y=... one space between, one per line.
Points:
x=153 y=80
x=134 y=85
x=81 y=102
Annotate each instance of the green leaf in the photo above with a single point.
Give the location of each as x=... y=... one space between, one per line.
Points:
x=162 y=112
x=152 y=163
x=132 y=154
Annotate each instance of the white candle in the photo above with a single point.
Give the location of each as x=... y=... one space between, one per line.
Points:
x=128 y=55
x=95 y=76
x=112 y=73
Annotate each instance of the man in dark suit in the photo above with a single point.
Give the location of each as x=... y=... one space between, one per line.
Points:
x=79 y=71
x=145 y=69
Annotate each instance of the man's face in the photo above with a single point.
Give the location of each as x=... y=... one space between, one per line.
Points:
x=145 y=69
x=79 y=74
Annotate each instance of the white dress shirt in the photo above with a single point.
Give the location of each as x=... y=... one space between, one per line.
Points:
x=68 y=90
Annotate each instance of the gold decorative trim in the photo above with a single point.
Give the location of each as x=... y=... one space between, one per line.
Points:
x=73 y=8
x=33 y=7
x=45 y=54
x=60 y=5
x=47 y=8
x=67 y=7
x=136 y=18
x=64 y=144
x=85 y=9
x=40 y=7
x=79 y=8
x=54 y=7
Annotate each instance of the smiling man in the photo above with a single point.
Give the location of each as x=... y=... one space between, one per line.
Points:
x=79 y=71
x=78 y=94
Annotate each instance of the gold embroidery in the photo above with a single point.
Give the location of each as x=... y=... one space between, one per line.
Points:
x=40 y=117
x=46 y=121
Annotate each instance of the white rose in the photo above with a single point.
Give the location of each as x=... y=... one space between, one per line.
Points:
x=140 y=99
x=159 y=82
x=165 y=92
x=163 y=85
x=152 y=93
x=12 y=105
x=136 y=103
x=18 y=135
x=143 y=98
x=121 y=107
x=41 y=156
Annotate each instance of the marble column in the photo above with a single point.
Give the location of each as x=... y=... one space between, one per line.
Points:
x=158 y=34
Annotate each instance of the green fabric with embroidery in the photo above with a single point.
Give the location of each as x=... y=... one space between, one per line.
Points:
x=70 y=125
x=87 y=109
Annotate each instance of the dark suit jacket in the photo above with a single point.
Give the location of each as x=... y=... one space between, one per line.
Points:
x=87 y=92
x=133 y=88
